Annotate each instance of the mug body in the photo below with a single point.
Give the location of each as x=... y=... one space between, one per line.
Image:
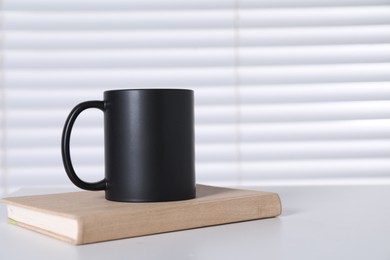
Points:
x=149 y=144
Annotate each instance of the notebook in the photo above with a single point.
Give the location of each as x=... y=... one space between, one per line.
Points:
x=87 y=217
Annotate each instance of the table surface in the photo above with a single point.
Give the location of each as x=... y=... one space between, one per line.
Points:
x=317 y=222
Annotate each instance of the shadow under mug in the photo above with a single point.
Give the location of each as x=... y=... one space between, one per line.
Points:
x=148 y=145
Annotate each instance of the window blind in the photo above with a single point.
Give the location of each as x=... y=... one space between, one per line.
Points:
x=286 y=92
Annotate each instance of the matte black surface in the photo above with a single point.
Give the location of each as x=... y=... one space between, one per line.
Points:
x=149 y=145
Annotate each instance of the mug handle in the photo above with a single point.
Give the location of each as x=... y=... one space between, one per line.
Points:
x=100 y=185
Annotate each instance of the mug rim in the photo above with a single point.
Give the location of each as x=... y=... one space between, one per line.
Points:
x=148 y=89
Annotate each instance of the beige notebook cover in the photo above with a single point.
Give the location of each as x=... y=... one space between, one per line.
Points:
x=86 y=217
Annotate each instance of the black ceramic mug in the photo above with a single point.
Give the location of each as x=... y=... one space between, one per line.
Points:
x=148 y=145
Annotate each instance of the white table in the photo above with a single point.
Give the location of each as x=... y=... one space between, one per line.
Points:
x=323 y=222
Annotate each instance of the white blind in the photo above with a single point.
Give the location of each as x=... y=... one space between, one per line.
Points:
x=286 y=91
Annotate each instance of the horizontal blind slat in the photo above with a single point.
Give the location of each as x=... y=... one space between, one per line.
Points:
x=20 y=137
x=38 y=118
x=124 y=78
x=38 y=98
x=119 y=39
x=217 y=18
x=78 y=21
x=314 y=73
x=310 y=131
x=174 y=77
x=280 y=151
x=267 y=169
x=74 y=5
x=315 y=36
x=195 y=38
x=307 y=3
x=225 y=114
x=309 y=93
x=315 y=111
x=114 y=5
x=311 y=169
x=313 y=16
x=328 y=54
x=249 y=152
x=205 y=57
x=139 y=58
x=59 y=98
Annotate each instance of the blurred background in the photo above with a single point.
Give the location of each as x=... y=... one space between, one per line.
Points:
x=288 y=92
